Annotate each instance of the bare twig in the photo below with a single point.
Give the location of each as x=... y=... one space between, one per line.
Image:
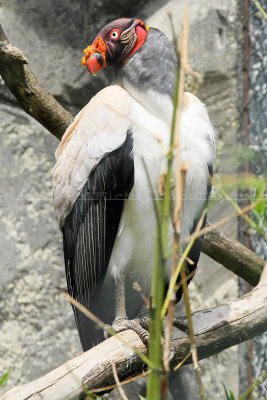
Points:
x=193 y=346
x=175 y=276
x=183 y=361
x=124 y=382
x=213 y=226
x=180 y=170
x=122 y=393
x=138 y=288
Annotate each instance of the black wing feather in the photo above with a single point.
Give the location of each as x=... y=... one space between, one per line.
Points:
x=90 y=230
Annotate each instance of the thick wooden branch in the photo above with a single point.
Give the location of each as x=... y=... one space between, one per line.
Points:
x=32 y=96
x=233 y=256
x=215 y=330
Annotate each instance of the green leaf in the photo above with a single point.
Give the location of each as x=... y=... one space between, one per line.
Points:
x=260 y=208
x=253 y=386
x=141 y=397
x=232 y=397
x=4 y=378
x=229 y=396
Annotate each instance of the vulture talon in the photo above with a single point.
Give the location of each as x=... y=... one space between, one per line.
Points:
x=123 y=324
x=141 y=332
x=120 y=324
x=144 y=322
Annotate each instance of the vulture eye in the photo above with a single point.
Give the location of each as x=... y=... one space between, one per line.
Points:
x=114 y=34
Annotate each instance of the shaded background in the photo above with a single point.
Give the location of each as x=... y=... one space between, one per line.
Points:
x=37 y=331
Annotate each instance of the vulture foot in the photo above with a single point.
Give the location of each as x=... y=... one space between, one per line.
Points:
x=122 y=324
x=144 y=322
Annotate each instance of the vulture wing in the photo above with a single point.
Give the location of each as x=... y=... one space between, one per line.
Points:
x=93 y=175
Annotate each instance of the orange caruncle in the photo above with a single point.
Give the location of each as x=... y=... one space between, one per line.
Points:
x=98 y=46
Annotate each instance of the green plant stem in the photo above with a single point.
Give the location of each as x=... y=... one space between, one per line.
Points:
x=257 y=4
x=167 y=195
x=157 y=291
x=237 y=208
x=175 y=277
x=155 y=326
x=253 y=386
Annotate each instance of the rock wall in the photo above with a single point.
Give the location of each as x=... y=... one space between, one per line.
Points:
x=37 y=330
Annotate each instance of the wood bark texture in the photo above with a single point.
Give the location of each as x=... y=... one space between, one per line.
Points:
x=32 y=96
x=233 y=256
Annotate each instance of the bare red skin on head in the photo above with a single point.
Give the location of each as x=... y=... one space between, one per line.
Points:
x=91 y=60
x=141 y=35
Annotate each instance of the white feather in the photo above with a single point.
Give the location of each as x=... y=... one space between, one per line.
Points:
x=134 y=248
x=100 y=128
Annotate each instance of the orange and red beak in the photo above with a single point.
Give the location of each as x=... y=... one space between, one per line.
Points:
x=95 y=56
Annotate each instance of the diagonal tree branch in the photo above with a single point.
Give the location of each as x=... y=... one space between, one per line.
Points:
x=32 y=96
x=215 y=330
x=234 y=256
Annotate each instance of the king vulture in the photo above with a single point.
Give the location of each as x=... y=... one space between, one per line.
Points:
x=103 y=198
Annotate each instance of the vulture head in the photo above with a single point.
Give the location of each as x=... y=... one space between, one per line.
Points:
x=114 y=43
